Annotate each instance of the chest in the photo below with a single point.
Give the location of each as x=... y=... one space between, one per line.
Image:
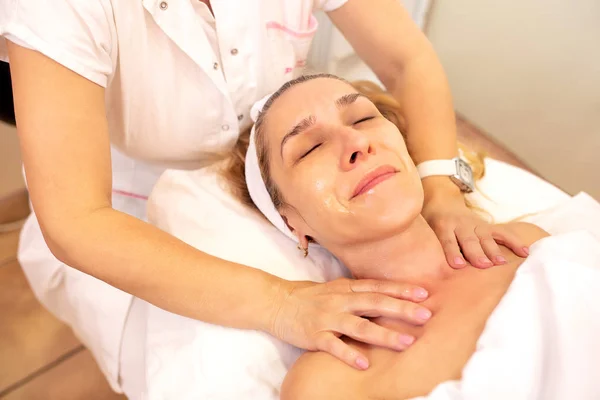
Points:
x=445 y=344
x=178 y=95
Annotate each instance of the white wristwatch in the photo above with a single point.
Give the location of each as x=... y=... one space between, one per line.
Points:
x=457 y=169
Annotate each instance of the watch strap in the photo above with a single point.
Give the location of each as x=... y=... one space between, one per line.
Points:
x=437 y=167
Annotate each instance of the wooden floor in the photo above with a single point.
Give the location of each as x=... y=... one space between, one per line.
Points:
x=40 y=358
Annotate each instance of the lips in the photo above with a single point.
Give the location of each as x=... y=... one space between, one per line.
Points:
x=373 y=179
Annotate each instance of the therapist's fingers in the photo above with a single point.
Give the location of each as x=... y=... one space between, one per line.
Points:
x=389 y=288
x=378 y=305
x=471 y=247
x=504 y=235
x=451 y=249
x=490 y=247
x=310 y=315
x=365 y=331
x=330 y=343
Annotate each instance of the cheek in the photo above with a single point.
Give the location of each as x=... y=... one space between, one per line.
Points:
x=393 y=139
x=397 y=146
x=312 y=192
x=319 y=189
x=412 y=199
x=395 y=213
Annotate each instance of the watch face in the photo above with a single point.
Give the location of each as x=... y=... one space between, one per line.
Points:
x=464 y=176
x=464 y=172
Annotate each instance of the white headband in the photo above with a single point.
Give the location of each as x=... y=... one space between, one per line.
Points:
x=254 y=181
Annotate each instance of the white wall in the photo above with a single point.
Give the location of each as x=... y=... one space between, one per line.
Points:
x=528 y=73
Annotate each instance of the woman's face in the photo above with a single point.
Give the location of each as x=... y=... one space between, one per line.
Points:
x=343 y=169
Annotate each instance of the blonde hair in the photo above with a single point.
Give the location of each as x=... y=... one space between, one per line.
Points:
x=234 y=171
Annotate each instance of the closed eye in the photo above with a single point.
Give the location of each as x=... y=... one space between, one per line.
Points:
x=309 y=151
x=363 y=120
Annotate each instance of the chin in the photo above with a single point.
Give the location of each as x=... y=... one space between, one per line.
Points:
x=400 y=218
x=388 y=200
x=388 y=219
x=402 y=205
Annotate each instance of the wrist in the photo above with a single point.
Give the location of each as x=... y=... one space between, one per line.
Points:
x=440 y=188
x=277 y=294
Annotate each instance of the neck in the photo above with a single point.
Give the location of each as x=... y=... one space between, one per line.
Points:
x=414 y=256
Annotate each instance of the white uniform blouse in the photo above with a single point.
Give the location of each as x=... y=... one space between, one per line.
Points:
x=179 y=86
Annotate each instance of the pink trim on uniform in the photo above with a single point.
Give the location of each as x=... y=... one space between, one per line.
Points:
x=312 y=28
x=128 y=194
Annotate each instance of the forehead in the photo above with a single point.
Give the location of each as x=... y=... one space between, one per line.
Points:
x=314 y=97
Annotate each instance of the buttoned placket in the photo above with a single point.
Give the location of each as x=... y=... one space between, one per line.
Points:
x=177 y=18
x=178 y=21
x=234 y=32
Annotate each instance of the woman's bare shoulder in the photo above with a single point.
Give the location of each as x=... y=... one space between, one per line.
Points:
x=320 y=376
x=527 y=232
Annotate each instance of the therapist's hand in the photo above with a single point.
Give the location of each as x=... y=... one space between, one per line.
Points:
x=313 y=316
x=466 y=237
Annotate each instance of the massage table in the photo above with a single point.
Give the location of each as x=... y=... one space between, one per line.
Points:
x=166 y=356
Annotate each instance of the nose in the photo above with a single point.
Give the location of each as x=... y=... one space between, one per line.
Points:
x=356 y=148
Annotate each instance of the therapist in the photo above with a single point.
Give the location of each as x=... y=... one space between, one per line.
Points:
x=169 y=84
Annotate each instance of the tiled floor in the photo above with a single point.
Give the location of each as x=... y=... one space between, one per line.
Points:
x=40 y=358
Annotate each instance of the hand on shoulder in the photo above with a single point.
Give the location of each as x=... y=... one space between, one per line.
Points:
x=527 y=232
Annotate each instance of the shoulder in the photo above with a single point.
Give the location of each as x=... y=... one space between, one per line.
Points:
x=320 y=376
x=80 y=35
x=56 y=12
x=528 y=233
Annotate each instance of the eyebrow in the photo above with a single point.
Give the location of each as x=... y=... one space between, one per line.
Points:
x=348 y=99
x=311 y=120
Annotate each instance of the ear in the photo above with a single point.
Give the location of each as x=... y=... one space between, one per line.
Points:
x=296 y=225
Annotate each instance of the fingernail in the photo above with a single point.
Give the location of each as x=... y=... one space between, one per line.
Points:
x=362 y=363
x=420 y=293
x=407 y=340
x=485 y=261
x=526 y=250
x=423 y=314
x=500 y=259
x=459 y=261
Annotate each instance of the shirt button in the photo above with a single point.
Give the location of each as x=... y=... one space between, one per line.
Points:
x=240 y=117
x=216 y=66
x=234 y=52
x=164 y=5
x=225 y=127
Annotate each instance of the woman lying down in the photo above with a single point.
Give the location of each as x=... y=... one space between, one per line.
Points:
x=330 y=168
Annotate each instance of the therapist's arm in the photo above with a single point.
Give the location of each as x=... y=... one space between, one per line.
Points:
x=64 y=139
x=386 y=38
x=63 y=133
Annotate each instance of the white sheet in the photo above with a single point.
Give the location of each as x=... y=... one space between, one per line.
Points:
x=507 y=192
x=187 y=359
x=542 y=341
